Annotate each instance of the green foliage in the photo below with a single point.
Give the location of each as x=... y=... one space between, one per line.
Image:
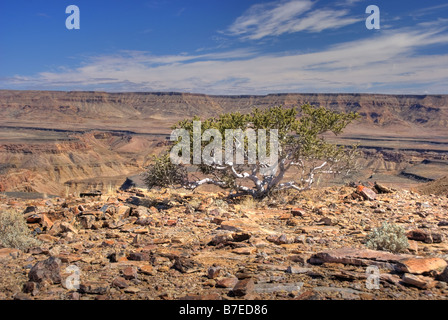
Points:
x=388 y=237
x=301 y=144
x=163 y=173
x=14 y=232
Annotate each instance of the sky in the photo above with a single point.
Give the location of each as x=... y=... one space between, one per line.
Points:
x=224 y=47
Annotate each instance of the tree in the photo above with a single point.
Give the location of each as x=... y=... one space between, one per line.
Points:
x=295 y=141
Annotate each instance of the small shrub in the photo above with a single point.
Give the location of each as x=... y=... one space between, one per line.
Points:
x=163 y=173
x=388 y=237
x=14 y=232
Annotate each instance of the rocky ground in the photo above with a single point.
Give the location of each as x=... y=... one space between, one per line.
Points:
x=173 y=245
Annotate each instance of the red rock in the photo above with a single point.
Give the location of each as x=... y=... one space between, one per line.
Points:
x=362 y=257
x=120 y=282
x=245 y=250
x=421 y=265
x=46 y=270
x=425 y=236
x=285 y=216
x=129 y=273
x=243 y=287
x=418 y=281
x=226 y=283
x=147 y=269
x=366 y=193
x=171 y=223
x=94 y=287
x=298 y=212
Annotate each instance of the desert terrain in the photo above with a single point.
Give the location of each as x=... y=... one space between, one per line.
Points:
x=132 y=243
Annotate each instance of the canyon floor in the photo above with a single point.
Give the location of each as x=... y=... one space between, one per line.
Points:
x=173 y=245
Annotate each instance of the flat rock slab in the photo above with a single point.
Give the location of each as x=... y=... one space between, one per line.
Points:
x=421 y=265
x=240 y=225
x=418 y=281
x=277 y=287
x=8 y=253
x=360 y=257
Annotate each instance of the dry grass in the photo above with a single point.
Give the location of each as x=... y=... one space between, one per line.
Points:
x=14 y=232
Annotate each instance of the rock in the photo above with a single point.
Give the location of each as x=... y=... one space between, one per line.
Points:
x=212 y=296
x=120 y=283
x=94 y=287
x=22 y=296
x=185 y=265
x=361 y=257
x=132 y=290
x=226 y=282
x=87 y=221
x=379 y=188
x=297 y=270
x=147 y=269
x=240 y=225
x=278 y=287
x=418 y=281
x=9 y=254
x=213 y=272
x=243 y=287
x=221 y=239
x=46 y=270
x=421 y=265
x=366 y=193
x=298 y=212
x=443 y=276
x=240 y=236
x=425 y=236
x=129 y=273
x=31 y=287
x=138 y=256
x=245 y=250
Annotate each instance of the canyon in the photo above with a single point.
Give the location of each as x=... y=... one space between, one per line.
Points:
x=58 y=143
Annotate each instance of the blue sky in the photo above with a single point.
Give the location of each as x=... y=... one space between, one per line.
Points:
x=225 y=46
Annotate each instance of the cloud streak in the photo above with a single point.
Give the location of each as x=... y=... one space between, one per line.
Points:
x=386 y=63
x=277 y=18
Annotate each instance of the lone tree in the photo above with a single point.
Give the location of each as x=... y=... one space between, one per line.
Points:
x=295 y=141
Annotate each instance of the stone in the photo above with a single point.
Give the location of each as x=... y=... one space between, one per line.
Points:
x=138 y=256
x=94 y=287
x=361 y=257
x=297 y=270
x=420 y=282
x=147 y=269
x=425 y=236
x=240 y=236
x=240 y=225
x=9 y=254
x=87 y=221
x=298 y=212
x=31 y=287
x=226 y=282
x=245 y=250
x=243 y=287
x=129 y=273
x=366 y=193
x=421 y=265
x=221 y=239
x=443 y=276
x=213 y=272
x=120 y=283
x=46 y=270
x=278 y=287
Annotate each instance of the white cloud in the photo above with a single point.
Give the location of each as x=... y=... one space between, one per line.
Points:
x=387 y=62
x=276 y=18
